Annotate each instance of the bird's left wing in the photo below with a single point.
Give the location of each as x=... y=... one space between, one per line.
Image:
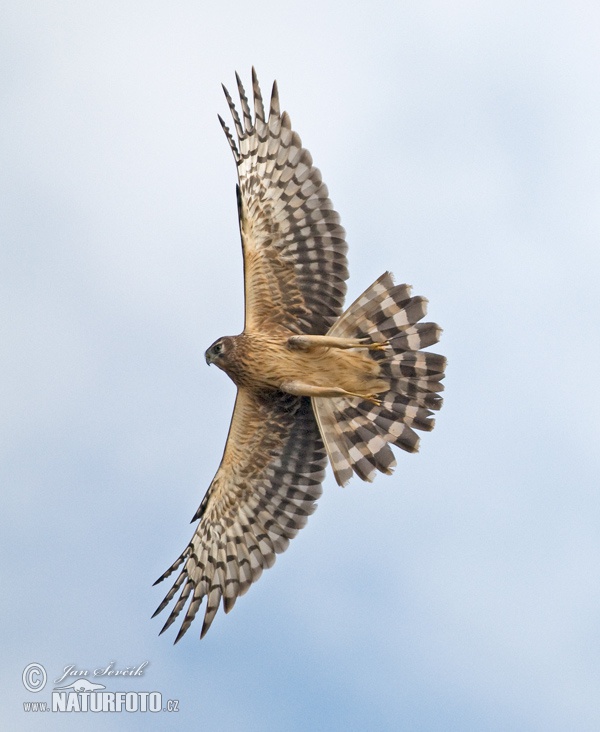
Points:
x=295 y=264
x=264 y=490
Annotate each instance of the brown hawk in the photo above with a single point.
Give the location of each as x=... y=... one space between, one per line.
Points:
x=313 y=383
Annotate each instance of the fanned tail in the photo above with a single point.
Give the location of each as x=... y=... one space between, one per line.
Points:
x=358 y=432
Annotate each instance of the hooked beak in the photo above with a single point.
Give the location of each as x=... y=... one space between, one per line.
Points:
x=208 y=358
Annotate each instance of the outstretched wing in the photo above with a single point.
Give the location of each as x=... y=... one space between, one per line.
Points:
x=264 y=490
x=295 y=263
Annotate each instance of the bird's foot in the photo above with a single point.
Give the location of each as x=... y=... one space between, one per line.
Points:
x=373 y=398
x=379 y=345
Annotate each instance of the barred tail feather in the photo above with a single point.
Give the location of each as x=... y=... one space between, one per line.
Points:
x=334 y=438
x=357 y=432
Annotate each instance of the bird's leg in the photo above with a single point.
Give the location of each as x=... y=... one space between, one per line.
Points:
x=308 y=342
x=299 y=388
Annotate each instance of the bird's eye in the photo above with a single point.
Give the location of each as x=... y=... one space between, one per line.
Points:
x=218 y=348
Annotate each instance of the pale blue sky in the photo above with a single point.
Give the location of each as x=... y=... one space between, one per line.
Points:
x=460 y=144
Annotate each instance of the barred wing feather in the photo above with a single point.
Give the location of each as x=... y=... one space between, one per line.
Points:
x=295 y=264
x=261 y=496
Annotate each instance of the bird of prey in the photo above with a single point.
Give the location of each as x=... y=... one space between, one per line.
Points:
x=314 y=383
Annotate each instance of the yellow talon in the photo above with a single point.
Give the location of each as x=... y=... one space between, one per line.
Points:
x=368 y=398
x=373 y=399
x=379 y=346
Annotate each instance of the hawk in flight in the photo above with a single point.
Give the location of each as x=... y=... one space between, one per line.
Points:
x=314 y=383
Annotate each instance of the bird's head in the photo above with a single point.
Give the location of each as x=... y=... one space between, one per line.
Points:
x=219 y=352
